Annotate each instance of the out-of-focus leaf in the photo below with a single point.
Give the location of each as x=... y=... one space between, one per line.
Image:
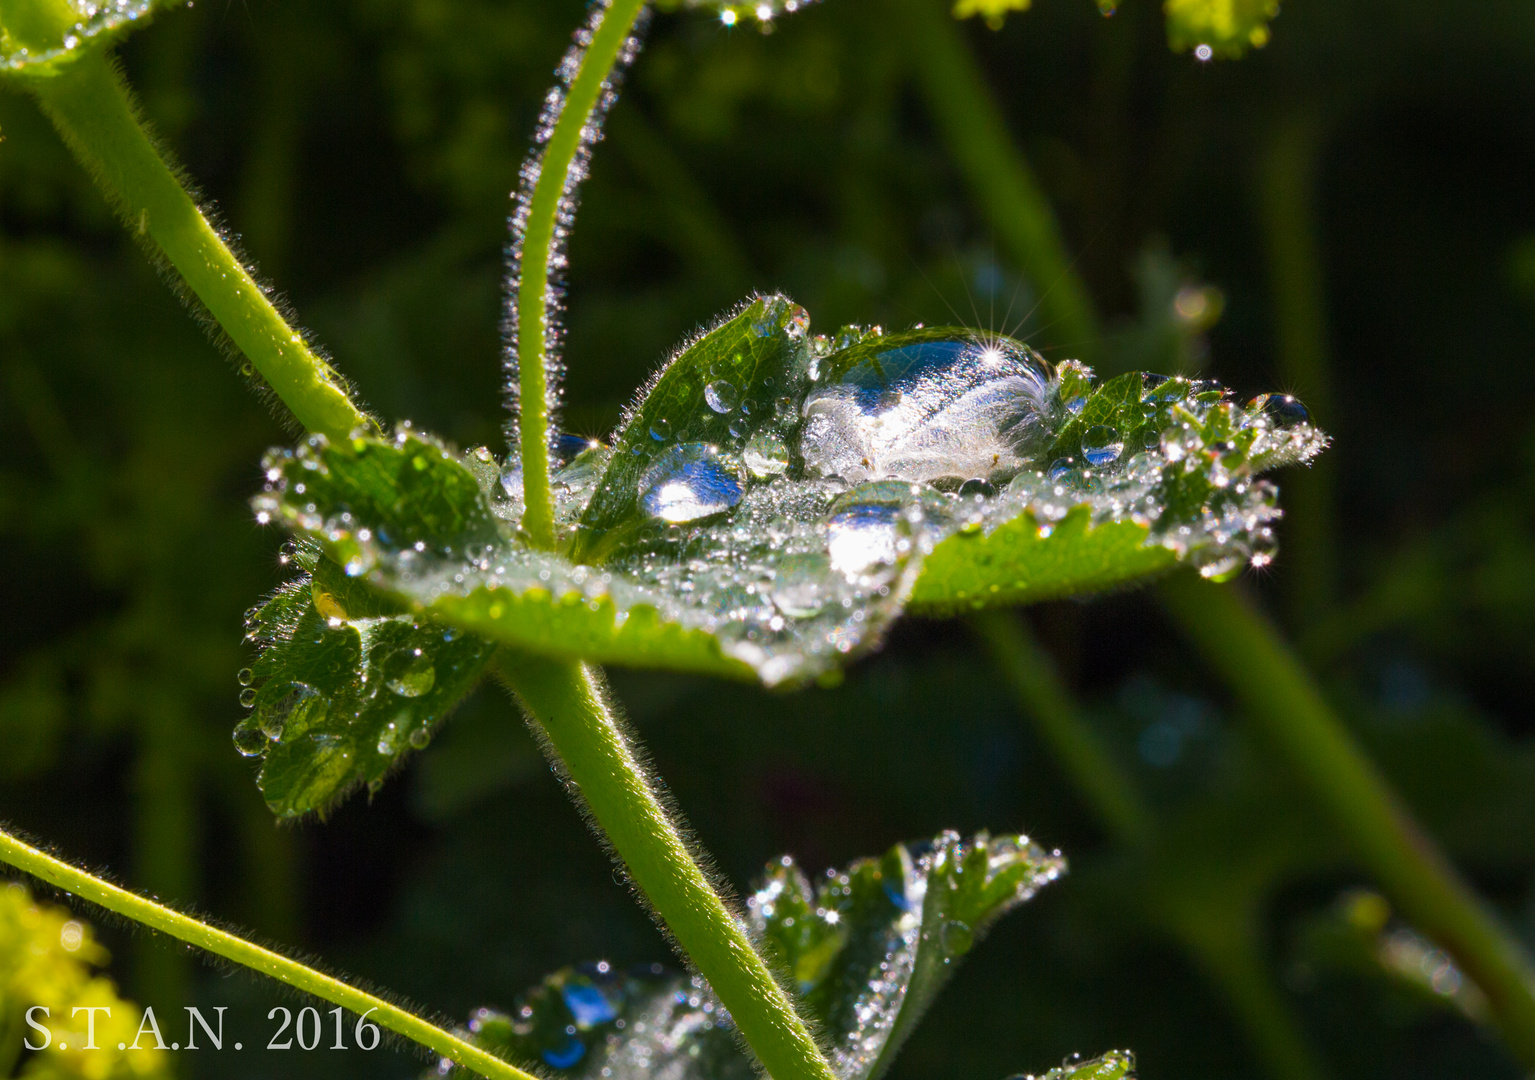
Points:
x=993 y=11
x=865 y=951
x=1227 y=28
x=46 y=958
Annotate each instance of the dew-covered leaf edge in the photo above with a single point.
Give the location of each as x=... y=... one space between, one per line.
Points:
x=110 y=21
x=595 y=1019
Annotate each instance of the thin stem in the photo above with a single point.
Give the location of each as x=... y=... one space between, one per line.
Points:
x=1223 y=942
x=1000 y=179
x=569 y=704
x=60 y=874
x=1287 y=189
x=1278 y=694
x=537 y=245
x=92 y=108
x=1108 y=788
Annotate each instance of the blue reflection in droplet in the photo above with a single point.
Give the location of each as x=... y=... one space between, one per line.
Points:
x=587 y=1004
x=689 y=482
x=567 y=1055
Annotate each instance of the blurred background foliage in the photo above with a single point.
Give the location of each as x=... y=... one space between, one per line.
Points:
x=1344 y=214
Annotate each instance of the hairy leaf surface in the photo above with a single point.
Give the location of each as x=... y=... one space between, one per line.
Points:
x=98 y=23
x=865 y=951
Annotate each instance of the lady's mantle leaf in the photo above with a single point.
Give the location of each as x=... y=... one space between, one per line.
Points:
x=1115 y=1065
x=942 y=466
x=865 y=951
x=97 y=22
x=345 y=685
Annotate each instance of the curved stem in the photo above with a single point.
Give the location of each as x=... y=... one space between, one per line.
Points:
x=568 y=703
x=1000 y=179
x=1279 y=696
x=537 y=245
x=91 y=106
x=60 y=874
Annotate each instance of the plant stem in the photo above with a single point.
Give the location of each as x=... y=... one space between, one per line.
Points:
x=1000 y=179
x=569 y=704
x=538 y=243
x=1221 y=938
x=70 y=879
x=1287 y=184
x=91 y=106
x=1279 y=695
x=1108 y=789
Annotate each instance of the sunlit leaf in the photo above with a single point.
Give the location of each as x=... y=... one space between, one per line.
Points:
x=865 y=951
x=345 y=686
x=97 y=23
x=731 y=533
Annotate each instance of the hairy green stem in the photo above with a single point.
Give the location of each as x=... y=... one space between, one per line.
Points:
x=1224 y=946
x=168 y=921
x=91 y=106
x=1000 y=179
x=1278 y=694
x=569 y=703
x=533 y=319
x=1287 y=189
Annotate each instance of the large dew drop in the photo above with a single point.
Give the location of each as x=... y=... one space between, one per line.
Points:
x=926 y=406
x=689 y=482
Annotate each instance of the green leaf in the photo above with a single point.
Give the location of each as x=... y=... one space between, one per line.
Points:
x=345 y=686
x=1228 y=28
x=865 y=950
x=37 y=37
x=993 y=11
x=777 y=542
x=717 y=391
x=1115 y=1065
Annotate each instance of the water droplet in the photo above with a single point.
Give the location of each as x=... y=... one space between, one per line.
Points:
x=1102 y=444
x=250 y=741
x=1076 y=405
x=799 y=588
x=867 y=530
x=245 y=677
x=417 y=678
x=389 y=739
x=661 y=429
x=976 y=486
x=421 y=738
x=925 y=405
x=721 y=396
x=1283 y=410
x=956 y=938
x=248 y=696
x=688 y=482
x=587 y=1004
x=766 y=455
x=565 y=1056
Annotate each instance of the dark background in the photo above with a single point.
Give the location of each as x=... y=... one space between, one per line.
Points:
x=363 y=152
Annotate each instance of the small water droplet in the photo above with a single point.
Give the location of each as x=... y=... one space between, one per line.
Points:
x=245 y=677
x=977 y=486
x=418 y=677
x=661 y=429
x=421 y=738
x=1102 y=444
x=721 y=396
x=249 y=741
x=799 y=588
x=956 y=938
x=1283 y=410
x=248 y=696
x=689 y=482
x=766 y=455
